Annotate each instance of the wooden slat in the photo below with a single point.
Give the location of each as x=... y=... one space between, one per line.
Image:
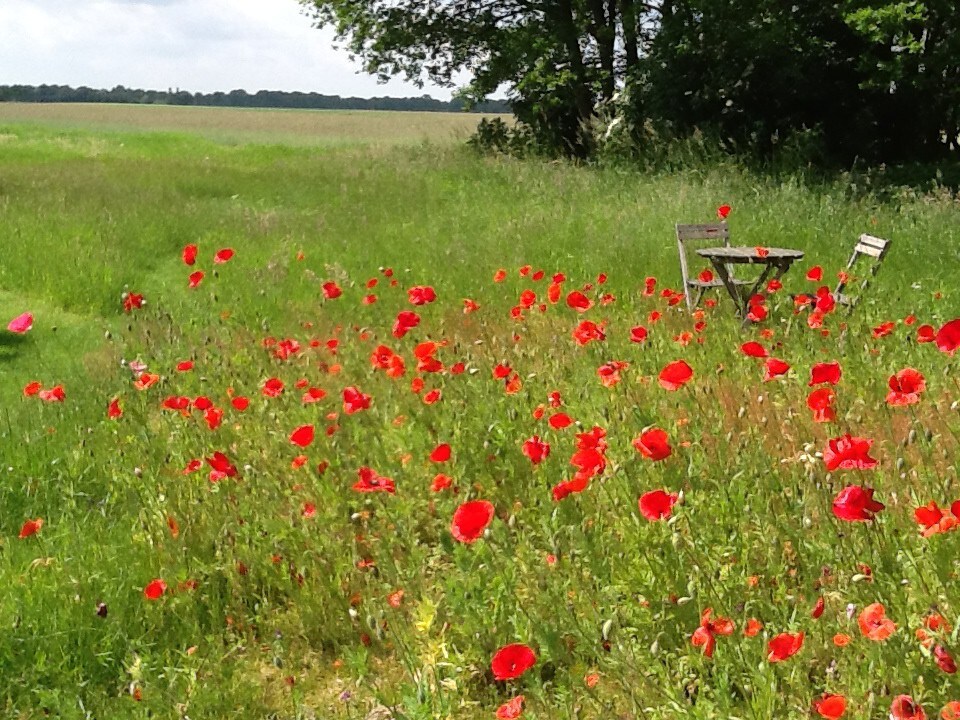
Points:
x=875 y=241
x=706 y=231
x=868 y=250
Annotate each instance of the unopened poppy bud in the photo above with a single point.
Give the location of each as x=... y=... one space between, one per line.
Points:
x=911 y=437
x=353 y=614
x=928 y=434
x=741 y=412
x=860 y=577
x=511 y=521
x=684 y=600
x=655 y=647
x=900 y=463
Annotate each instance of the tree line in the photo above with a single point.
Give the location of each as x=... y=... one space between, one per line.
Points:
x=239 y=98
x=843 y=80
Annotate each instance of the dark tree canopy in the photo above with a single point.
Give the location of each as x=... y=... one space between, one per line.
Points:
x=874 y=79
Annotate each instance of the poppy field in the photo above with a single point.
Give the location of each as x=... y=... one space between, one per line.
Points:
x=405 y=432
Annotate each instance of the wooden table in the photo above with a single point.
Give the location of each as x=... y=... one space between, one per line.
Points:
x=775 y=262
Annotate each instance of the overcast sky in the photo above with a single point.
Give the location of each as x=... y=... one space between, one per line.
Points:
x=196 y=45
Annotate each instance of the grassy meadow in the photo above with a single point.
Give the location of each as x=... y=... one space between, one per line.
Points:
x=292 y=585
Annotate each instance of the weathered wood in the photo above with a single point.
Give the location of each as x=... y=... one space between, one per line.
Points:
x=872 y=247
x=750 y=254
x=870 y=250
x=704 y=231
x=690 y=232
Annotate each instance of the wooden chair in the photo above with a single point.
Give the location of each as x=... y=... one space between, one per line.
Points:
x=694 y=288
x=867 y=246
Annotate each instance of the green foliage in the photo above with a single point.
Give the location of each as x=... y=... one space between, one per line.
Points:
x=831 y=82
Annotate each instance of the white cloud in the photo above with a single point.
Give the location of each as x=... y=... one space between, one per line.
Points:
x=196 y=45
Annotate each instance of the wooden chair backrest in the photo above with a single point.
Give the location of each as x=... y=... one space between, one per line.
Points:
x=705 y=231
x=867 y=246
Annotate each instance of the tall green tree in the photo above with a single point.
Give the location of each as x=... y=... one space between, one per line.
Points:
x=556 y=59
x=873 y=80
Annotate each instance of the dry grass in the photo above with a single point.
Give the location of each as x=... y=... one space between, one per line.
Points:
x=324 y=126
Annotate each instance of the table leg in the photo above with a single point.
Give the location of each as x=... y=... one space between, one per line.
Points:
x=731 y=287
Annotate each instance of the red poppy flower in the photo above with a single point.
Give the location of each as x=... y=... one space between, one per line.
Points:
x=649 y=286
x=774 y=368
x=874 y=623
x=815 y=274
x=653 y=444
x=302 y=436
x=883 y=329
x=370 y=482
x=223 y=256
x=441 y=453
x=440 y=482
x=132 y=301
x=817 y=611
x=783 y=646
x=273 y=387
x=587 y=332
x=421 y=295
x=831 y=707
x=21 y=323
x=948 y=337
x=903 y=707
x=675 y=375
x=762 y=252
x=856 y=504
x=705 y=276
x=189 y=254
x=822 y=373
x=405 y=322
x=609 y=373
x=723 y=211
x=905 y=387
x=578 y=301
x=30 y=527
x=57 y=393
x=240 y=403
x=155 y=589
x=195 y=279
x=944 y=659
x=470 y=520
x=638 y=334
x=926 y=334
x=512 y=661
x=849 y=453
x=511 y=709
x=500 y=275
x=354 y=401
x=536 y=449
x=657 y=504
x=221 y=464
x=114 y=410
x=32 y=388
x=705 y=635
x=821 y=402
x=560 y=420
x=753 y=349
x=951 y=711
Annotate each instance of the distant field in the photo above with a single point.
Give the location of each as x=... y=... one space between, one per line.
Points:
x=323 y=126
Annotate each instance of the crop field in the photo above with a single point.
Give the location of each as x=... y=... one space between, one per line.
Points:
x=387 y=429
x=292 y=127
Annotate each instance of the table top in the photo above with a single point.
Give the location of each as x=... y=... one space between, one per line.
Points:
x=750 y=254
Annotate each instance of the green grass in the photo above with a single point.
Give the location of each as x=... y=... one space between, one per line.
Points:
x=89 y=214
